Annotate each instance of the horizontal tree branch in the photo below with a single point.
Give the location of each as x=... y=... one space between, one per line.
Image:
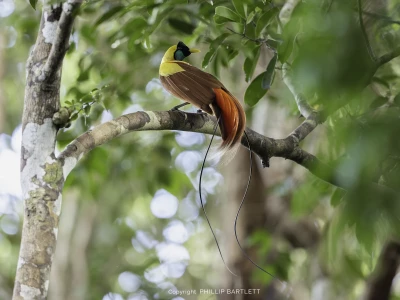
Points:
x=263 y=146
x=61 y=41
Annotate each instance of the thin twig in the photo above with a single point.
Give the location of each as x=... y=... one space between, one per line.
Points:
x=388 y=57
x=381 y=17
x=243 y=35
x=364 y=32
x=304 y=108
x=60 y=43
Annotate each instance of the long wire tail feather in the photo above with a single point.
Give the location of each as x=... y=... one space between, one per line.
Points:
x=240 y=207
x=201 y=199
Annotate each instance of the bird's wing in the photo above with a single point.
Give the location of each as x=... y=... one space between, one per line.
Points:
x=192 y=85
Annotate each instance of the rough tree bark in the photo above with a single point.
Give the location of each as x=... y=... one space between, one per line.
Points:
x=41 y=173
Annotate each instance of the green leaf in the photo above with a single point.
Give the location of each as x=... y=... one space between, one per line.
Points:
x=213 y=49
x=381 y=82
x=250 y=17
x=74 y=116
x=228 y=52
x=72 y=48
x=109 y=14
x=208 y=57
x=285 y=49
x=181 y=25
x=396 y=99
x=365 y=234
x=86 y=99
x=220 y=20
x=354 y=265
x=232 y=55
x=261 y=239
x=160 y=17
x=136 y=33
x=250 y=32
x=227 y=13
x=83 y=76
x=337 y=197
x=273 y=44
x=250 y=64
x=87 y=109
x=379 y=101
x=240 y=7
x=87 y=33
x=33 y=3
x=134 y=26
x=255 y=91
x=265 y=19
x=269 y=74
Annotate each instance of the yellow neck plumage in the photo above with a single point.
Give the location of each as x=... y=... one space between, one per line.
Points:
x=168 y=66
x=169 y=55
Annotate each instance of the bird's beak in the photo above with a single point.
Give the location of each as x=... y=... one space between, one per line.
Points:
x=194 y=50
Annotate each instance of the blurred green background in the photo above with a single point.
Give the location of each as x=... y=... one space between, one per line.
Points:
x=131 y=225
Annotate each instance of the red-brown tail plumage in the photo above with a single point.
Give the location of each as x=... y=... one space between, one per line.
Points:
x=232 y=117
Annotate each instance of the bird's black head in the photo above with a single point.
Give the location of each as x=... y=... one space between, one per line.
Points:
x=181 y=51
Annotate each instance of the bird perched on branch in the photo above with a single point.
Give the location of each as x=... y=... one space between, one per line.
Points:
x=207 y=93
x=204 y=91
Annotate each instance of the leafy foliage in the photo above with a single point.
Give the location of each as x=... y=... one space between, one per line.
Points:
x=111 y=69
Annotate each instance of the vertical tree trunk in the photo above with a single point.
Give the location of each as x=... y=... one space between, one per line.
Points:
x=42 y=176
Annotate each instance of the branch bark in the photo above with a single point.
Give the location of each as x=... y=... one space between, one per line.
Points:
x=263 y=146
x=287 y=10
x=61 y=41
x=304 y=108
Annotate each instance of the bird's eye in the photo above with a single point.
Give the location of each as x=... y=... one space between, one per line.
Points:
x=178 y=55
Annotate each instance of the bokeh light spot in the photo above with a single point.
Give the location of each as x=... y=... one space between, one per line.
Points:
x=6 y=8
x=188 y=161
x=189 y=139
x=113 y=296
x=164 y=205
x=154 y=274
x=129 y=282
x=170 y=252
x=176 y=232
